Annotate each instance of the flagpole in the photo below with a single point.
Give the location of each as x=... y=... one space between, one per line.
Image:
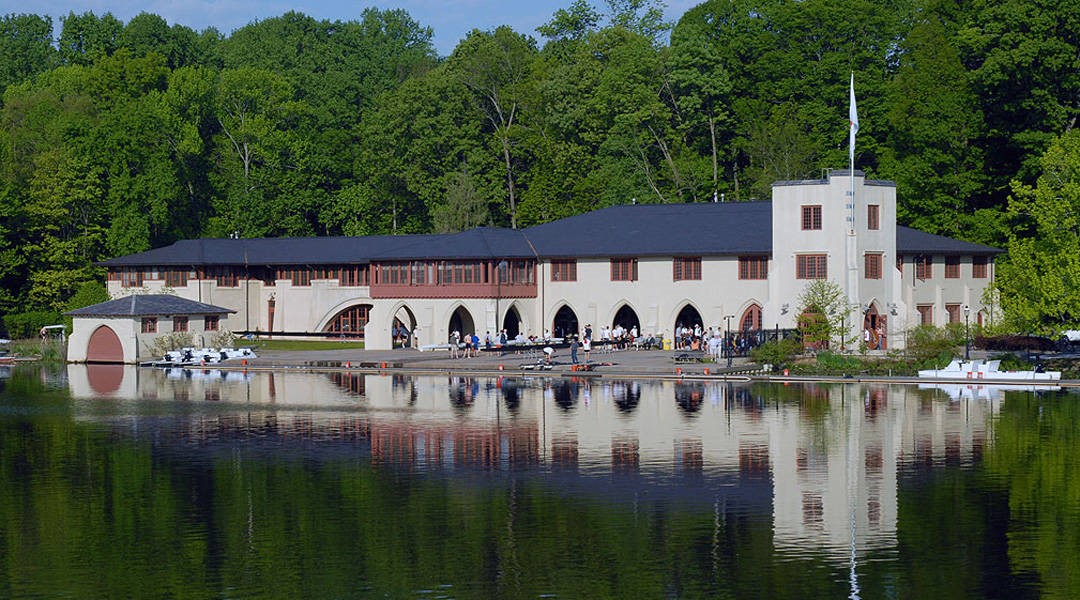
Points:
x=852 y=283
x=853 y=128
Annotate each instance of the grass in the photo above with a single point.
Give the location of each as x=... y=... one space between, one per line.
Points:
x=51 y=351
x=300 y=345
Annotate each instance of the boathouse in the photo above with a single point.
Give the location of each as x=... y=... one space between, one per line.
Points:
x=733 y=266
x=124 y=330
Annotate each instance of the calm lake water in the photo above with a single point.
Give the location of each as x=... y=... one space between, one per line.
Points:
x=124 y=483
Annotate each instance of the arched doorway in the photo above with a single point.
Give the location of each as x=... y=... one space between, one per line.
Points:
x=512 y=323
x=104 y=346
x=688 y=317
x=565 y=323
x=626 y=318
x=874 y=329
x=403 y=328
x=349 y=322
x=462 y=322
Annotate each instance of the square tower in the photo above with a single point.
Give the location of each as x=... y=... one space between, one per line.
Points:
x=841 y=228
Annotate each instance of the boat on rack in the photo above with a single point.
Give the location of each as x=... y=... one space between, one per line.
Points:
x=190 y=357
x=988 y=369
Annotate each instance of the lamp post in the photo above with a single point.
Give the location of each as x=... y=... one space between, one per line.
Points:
x=967 y=332
x=727 y=337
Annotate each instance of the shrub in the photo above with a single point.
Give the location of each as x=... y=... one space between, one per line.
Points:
x=777 y=353
x=931 y=345
x=223 y=339
x=837 y=363
x=28 y=324
x=173 y=340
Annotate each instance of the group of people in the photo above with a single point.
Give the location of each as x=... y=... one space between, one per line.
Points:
x=618 y=336
x=464 y=346
x=469 y=345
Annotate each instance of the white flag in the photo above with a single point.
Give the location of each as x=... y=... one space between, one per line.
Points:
x=853 y=118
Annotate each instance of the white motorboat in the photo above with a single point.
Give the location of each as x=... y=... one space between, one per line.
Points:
x=989 y=369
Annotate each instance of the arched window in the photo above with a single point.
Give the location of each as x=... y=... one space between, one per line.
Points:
x=350 y=321
x=751 y=319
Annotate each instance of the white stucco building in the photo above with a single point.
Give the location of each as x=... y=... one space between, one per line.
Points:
x=737 y=267
x=124 y=330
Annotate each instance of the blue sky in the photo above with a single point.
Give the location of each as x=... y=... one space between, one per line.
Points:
x=451 y=19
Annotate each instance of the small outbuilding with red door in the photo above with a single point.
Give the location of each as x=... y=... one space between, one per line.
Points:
x=125 y=330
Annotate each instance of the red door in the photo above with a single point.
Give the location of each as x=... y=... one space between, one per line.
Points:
x=104 y=346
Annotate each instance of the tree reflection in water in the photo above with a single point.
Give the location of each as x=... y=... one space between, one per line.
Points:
x=289 y=487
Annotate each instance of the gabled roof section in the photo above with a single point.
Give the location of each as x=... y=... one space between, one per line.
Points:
x=913 y=241
x=700 y=229
x=148 y=305
x=714 y=228
x=482 y=242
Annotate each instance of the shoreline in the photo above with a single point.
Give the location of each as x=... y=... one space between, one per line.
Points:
x=623 y=364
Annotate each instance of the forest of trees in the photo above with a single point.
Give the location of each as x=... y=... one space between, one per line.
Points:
x=120 y=137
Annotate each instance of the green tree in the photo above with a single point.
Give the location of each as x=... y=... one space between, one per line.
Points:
x=25 y=47
x=823 y=312
x=86 y=37
x=464 y=208
x=700 y=90
x=145 y=33
x=571 y=23
x=1039 y=279
x=496 y=68
x=933 y=127
x=414 y=136
x=1022 y=56
x=643 y=17
x=252 y=107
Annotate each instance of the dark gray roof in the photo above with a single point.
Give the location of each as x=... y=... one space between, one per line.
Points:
x=148 y=305
x=913 y=241
x=702 y=229
x=482 y=242
x=713 y=228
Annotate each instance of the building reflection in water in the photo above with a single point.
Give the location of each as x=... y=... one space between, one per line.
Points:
x=824 y=459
